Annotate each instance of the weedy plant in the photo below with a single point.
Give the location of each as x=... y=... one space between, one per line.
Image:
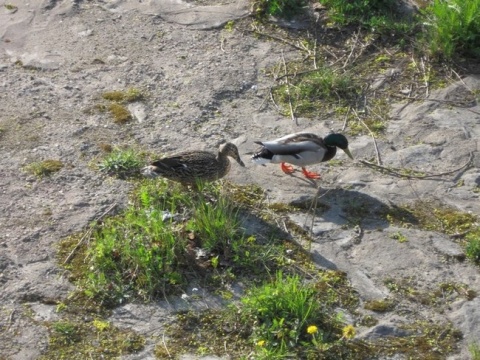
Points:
x=120 y=113
x=379 y=16
x=281 y=8
x=401 y=238
x=148 y=250
x=122 y=163
x=383 y=305
x=66 y=332
x=472 y=248
x=215 y=222
x=452 y=27
x=287 y=315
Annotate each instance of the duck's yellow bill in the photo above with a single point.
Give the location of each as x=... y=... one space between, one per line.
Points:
x=347 y=151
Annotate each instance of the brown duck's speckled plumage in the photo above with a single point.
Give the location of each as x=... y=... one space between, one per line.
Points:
x=190 y=166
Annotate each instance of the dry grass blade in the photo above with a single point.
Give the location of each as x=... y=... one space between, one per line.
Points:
x=425 y=76
x=397 y=172
x=273 y=100
x=292 y=115
x=165 y=346
x=345 y=121
x=377 y=152
x=356 y=35
x=87 y=235
x=273 y=37
x=298 y=73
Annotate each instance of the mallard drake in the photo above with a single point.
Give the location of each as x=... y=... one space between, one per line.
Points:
x=190 y=166
x=300 y=149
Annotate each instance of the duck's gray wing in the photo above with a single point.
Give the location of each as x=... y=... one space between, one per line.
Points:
x=294 y=144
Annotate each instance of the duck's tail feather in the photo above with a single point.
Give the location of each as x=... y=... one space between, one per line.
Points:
x=264 y=156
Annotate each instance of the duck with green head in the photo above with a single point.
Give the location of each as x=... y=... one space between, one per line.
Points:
x=301 y=149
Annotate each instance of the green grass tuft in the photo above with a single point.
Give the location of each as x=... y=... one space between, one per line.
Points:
x=66 y=333
x=283 y=310
x=148 y=250
x=472 y=248
x=122 y=163
x=288 y=315
x=453 y=27
x=378 y=16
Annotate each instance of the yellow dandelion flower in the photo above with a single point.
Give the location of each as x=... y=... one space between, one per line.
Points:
x=261 y=343
x=348 y=332
x=312 y=329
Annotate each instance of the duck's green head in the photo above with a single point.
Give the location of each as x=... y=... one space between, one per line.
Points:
x=339 y=141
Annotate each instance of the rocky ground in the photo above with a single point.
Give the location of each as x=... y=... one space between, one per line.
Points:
x=206 y=84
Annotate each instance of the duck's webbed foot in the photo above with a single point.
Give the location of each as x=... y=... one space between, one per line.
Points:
x=287 y=169
x=310 y=174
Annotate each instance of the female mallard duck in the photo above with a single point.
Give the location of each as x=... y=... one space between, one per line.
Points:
x=189 y=166
x=301 y=149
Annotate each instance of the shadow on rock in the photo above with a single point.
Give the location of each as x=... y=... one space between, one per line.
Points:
x=338 y=206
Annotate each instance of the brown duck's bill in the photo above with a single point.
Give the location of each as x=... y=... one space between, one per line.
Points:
x=347 y=151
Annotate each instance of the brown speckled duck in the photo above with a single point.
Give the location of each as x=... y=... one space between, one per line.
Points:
x=190 y=166
x=301 y=149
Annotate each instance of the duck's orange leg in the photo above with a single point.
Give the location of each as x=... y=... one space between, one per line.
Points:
x=310 y=174
x=287 y=169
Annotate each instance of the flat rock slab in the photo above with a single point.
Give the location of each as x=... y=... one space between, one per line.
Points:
x=188 y=14
x=448 y=248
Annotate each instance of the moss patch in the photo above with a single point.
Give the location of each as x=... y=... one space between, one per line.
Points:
x=127 y=96
x=438 y=296
x=120 y=113
x=117 y=101
x=427 y=341
x=44 y=168
x=380 y=305
x=95 y=339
